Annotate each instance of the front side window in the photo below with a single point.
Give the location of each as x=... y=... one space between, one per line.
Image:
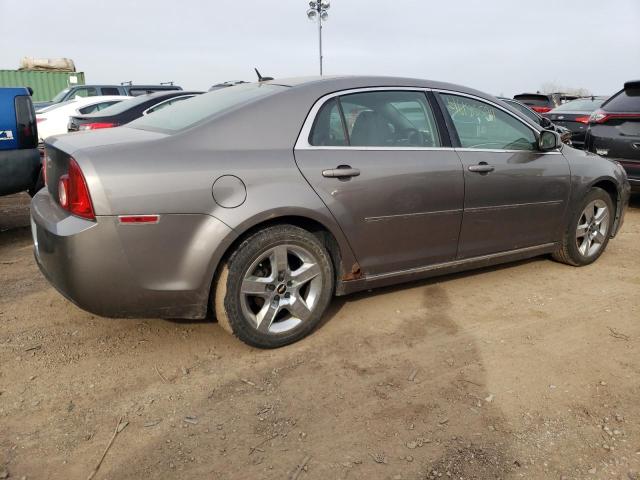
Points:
x=396 y=119
x=84 y=92
x=483 y=126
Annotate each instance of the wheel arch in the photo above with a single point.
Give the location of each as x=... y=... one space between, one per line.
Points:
x=610 y=186
x=344 y=262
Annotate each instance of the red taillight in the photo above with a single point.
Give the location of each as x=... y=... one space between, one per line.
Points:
x=600 y=116
x=97 y=125
x=582 y=119
x=40 y=119
x=44 y=166
x=541 y=109
x=74 y=194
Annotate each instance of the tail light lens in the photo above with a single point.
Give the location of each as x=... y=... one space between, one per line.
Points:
x=40 y=119
x=97 y=125
x=582 y=119
x=541 y=109
x=600 y=116
x=73 y=193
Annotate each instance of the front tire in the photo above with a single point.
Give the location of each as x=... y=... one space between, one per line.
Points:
x=275 y=287
x=588 y=231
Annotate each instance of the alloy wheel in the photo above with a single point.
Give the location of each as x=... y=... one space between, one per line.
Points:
x=281 y=289
x=593 y=228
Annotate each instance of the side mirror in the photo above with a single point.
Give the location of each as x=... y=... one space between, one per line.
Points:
x=548 y=140
x=545 y=122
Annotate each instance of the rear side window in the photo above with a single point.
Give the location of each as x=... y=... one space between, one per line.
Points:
x=376 y=119
x=26 y=122
x=110 y=91
x=97 y=107
x=136 y=92
x=483 y=126
x=624 y=101
x=328 y=128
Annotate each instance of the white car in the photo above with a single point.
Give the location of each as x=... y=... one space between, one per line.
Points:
x=53 y=120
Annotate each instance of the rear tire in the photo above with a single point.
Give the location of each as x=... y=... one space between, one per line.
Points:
x=275 y=287
x=588 y=232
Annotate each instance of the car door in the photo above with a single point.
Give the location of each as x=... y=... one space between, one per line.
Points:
x=515 y=195
x=388 y=175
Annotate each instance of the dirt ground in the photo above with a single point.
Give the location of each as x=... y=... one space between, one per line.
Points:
x=531 y=370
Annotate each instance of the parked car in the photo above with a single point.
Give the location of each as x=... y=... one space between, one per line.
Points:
x=574 y=116
x=542 y=102
x=614 y=130
x=54 y=119
x=19 y=158
x=125 y=112
x=71 y=93
x=565 y=133
x=263 y=200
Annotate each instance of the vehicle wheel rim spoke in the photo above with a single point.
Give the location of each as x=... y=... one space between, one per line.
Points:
x=256 y=286
x=267 y=315
x=279 y=261
x=299 y=309
x=305 y=273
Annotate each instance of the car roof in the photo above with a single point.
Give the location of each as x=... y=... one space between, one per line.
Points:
x=329 y=84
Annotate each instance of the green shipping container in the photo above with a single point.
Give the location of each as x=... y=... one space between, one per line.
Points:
x=45 y=84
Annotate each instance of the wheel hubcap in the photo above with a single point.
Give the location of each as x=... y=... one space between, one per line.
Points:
x=593 y=227
x=281 y=288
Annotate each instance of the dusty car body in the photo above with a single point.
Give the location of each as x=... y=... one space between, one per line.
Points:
x=177 y=205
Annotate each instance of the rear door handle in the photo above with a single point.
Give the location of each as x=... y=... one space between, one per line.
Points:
x=343 y=171
x=482 y=167
x=637 y=145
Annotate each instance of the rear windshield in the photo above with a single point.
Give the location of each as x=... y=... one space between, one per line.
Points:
x=123 y=106
x=580 y=105
x=537 y=100
x=624 y=101
x=186 y=114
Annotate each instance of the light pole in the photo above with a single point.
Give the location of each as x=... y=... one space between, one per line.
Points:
x=318 y=12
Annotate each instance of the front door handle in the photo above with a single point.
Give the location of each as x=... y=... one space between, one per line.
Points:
x=343 y=171
x=482 y=167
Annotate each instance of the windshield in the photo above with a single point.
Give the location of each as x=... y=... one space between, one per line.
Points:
x=188 y=113
x=60 y=95
x=580 y=105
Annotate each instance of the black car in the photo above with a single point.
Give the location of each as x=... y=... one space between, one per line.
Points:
x=614 y=131
x=543 y=102
x=565 y=133
x=127 y=111
x=575 y=115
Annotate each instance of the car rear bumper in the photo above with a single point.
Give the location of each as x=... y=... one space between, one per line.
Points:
x=114 y=270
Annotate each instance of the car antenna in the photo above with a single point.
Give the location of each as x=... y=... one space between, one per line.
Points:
x=261 y=78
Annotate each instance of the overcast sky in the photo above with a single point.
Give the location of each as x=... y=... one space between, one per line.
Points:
x=499 y=46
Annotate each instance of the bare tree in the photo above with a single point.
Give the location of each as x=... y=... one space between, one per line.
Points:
x=552 y=87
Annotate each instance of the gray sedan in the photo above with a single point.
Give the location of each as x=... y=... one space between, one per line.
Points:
x=261 y=201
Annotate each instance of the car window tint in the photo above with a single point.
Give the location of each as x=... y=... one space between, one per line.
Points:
x=480 y=125
x=624 y=101
x=203 y=107
x=526 y=111
x=389 y=119
x=110 y=91
x=162 y=105
x=96 y=108
x=84 y=92
x=328 y=129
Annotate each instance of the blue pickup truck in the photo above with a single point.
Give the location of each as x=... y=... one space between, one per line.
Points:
x=20 y=166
